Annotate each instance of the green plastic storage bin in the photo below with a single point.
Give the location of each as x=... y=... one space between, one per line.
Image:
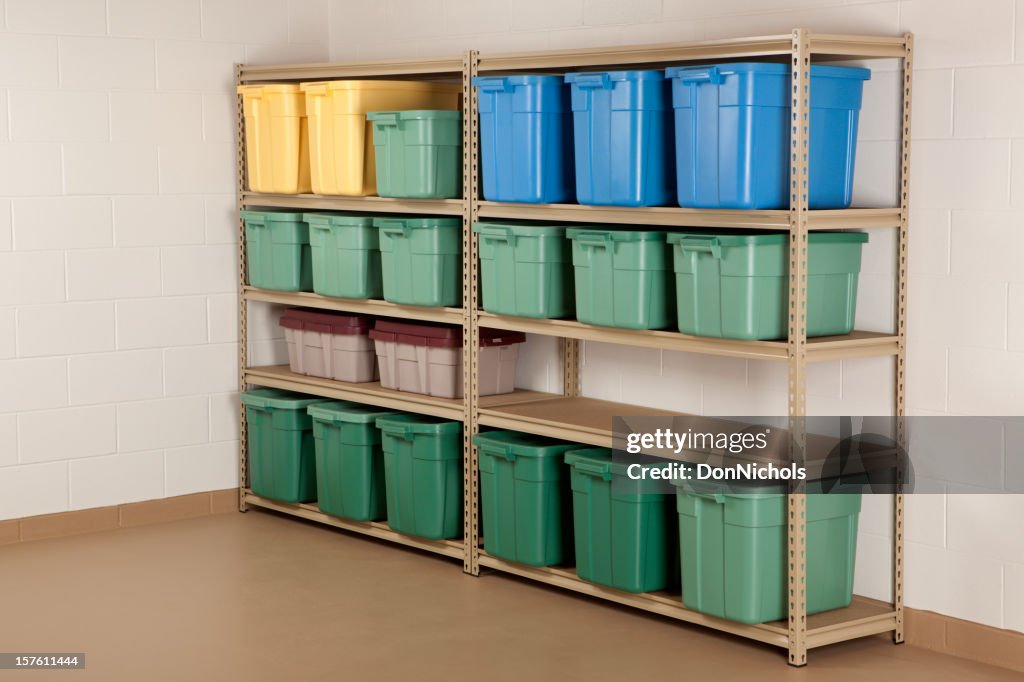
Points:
x=525 y=270
x=282 y=456
x=421 y=260
x=622 y=278
x=734 y=552
x=277 y=250
x=419 y=153
x=345 y=255
x=349 y=460
x=423 y=471
x=735 y=286
x=626 y=531
x=524 y=492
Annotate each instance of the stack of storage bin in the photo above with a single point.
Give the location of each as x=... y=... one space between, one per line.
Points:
x=524 y=491
x=625 y=530
x=728 y=125
x=282 y=453
x=734 y=551
x=276 y=138
x=421 y=260
x=342 y=152
x=329 y=345
x=349 y=460
x=427 y=358
x=423 y=473
x=736 y=286
x=345 y=252
x=418 y=153
x=732 y=126
x=277 y=250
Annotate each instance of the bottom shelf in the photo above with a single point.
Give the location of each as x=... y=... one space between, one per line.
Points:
x=377 y=529
x=864 y=617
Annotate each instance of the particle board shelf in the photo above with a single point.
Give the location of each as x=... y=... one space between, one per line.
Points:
x=372 y=393
x=438 y=66
x=320 y=202
x=670 y=216
x=823 y=45
x=862 y=618
x=857 y=344
x=376 y=529
x=373 y=307
x=571 y=418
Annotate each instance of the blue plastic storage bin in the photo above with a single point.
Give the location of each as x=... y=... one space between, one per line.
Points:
x=525 y=139
x=622 y=123
x=732 y=134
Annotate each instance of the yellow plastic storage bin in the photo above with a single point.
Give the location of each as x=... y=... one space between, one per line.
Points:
x=276 y=139
x=340 y=137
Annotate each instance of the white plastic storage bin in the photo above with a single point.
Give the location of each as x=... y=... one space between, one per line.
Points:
x=330 y=346
x=427 y=359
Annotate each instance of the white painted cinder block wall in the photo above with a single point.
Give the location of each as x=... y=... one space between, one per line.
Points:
x=117 y=328
x=966 y=327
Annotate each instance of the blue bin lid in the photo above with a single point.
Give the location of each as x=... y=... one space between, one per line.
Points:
x=632 y=75
x=772 y=68
x=261 y=217
x=493 y=82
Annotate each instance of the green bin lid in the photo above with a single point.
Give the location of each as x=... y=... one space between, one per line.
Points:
x=414 y=114
x=519 y=229
x=278 y=399
x=417 y=222
x=615 y=235
x=350 y=413
x=403 y=423
x=521 y=444
x=339 y=219
x=757 y=238
x=273 y=217
x=599 y=461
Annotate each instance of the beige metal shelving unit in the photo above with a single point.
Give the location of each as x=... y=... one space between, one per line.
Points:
x=576 y=418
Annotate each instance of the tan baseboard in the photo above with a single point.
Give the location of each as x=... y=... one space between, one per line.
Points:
x=119 y=516
x=964 y=639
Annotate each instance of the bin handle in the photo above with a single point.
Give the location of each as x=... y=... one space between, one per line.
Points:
x=404 y=431
x=319 y=226
x=602 y=469
x=595 y=239
x=709 y=74
x=709 y=244
x=719 y=498
x=507 y=237
x=385 y=118
x=395 y=227
x=492 y=84
x=593 y=81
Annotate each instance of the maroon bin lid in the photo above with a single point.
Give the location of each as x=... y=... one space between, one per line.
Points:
x=437 y=336
x=500 y=337
x=325 y=323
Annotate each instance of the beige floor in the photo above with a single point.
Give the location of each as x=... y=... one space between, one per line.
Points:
x=258 y=597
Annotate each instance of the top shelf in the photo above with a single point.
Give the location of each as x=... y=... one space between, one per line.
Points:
x=824 y=46
x=450 y=66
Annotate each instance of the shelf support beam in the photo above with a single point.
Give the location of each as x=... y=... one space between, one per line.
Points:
x=902 y=248
x=470 y=326
x=797 y=339
x=243 y=306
